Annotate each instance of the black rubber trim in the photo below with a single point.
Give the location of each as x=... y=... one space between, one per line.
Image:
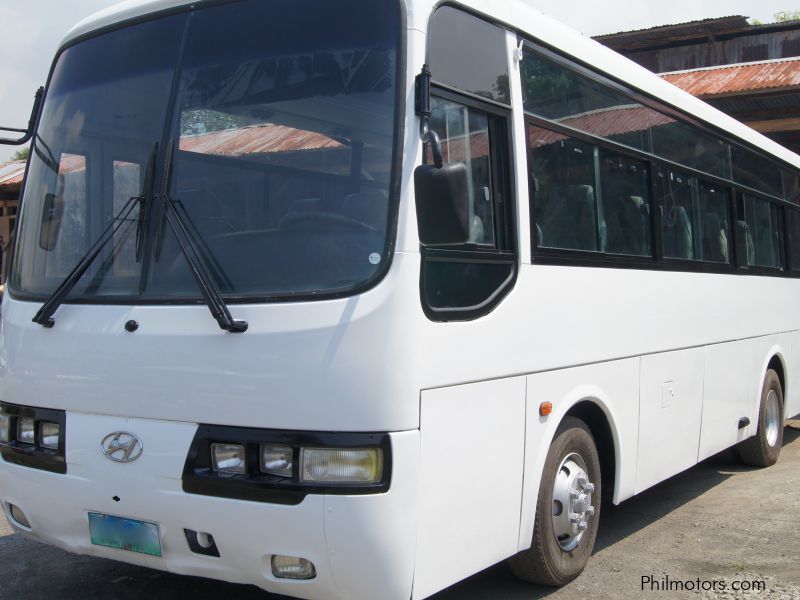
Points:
x=33 y=455
x=199 y=478
x=194 y=546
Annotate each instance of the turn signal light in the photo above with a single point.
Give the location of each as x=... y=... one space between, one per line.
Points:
x=5 y=426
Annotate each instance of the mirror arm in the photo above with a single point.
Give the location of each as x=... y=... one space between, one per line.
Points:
x=28 y=133
x=422 y=108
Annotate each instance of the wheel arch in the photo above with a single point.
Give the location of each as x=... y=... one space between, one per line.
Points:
x=599 y=422
x=776 y=361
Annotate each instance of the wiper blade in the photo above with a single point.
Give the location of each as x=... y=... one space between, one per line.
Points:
x=146 y=201
x=44 y=316
x=194 y=258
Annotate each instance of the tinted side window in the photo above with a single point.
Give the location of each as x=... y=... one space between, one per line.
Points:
x=793 y=229
x=713 y=213
x=464 y=133
x=564 y=199
x=554 y=92
x=791 y=186
x=469 y=54
x=678 y=230
x=758 y=224
x=626 y=205
x=755 y=171
x=688 y=145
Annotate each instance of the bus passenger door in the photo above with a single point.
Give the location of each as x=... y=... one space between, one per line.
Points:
x=670 y=411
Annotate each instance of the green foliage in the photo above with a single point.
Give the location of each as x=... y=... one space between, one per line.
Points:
x=21 y=154
x=200 y=121
x=787 y=15
x=755 y=22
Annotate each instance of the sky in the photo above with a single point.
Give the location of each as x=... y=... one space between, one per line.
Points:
x=32 y=29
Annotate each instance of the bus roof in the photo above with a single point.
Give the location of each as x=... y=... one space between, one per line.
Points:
x=521 y=16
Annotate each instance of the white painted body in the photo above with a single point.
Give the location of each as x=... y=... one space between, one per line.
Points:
x=459 y=399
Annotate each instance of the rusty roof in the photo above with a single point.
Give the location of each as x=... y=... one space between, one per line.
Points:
x=11 y=173
x=257 y=139
x=728 y=80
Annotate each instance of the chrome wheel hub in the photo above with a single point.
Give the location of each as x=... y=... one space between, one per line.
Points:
x=772 y=418
x=572 y=502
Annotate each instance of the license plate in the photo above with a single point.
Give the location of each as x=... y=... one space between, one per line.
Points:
x=124 y=534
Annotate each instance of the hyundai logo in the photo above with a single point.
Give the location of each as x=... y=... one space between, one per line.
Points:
x=122 y=447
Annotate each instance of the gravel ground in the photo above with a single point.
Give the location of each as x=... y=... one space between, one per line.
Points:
x=717 y=524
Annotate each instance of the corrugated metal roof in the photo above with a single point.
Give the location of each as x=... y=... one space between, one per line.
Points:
x=11 y=173
x=257 y=139
x=606 y=123
x=732 y=79
x=709 y=24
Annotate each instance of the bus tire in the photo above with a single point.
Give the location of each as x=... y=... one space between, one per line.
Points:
x=567 y=509
x=763 y=449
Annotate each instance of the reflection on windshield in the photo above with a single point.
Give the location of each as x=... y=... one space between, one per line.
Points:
x=282 y=160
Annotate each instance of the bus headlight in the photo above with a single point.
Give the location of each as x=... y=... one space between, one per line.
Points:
x=26 y=431
x=49 y=434
x=228 y=458
x=277 y=460
x=341 y=465
x=283 y=467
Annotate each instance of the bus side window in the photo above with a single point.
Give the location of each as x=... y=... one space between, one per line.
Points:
x=626 y=205
x=677 y=214
x=464 y=281
x=793 y=230
x=564 y=203
x=464 y=133
x=759 y=228
x=471 y=110
x=714 y=223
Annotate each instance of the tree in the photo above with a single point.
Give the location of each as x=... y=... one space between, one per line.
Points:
x=787 y=15
x=21 y=154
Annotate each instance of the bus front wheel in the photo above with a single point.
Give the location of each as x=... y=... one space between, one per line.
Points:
x=567 y=509
x=763 y=448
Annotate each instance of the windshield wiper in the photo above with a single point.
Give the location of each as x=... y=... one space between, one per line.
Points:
x=194 y=258
x=44 y=316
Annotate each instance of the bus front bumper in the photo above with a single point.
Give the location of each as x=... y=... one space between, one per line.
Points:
x=361 y=546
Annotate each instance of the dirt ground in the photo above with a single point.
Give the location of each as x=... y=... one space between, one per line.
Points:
x=717 y=524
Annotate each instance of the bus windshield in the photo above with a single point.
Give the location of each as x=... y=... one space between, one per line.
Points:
x=279 y=121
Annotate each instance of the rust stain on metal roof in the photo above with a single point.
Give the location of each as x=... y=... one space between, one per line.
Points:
x=733 y=79
x=257 y=139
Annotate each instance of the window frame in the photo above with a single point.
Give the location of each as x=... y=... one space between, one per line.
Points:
x=656 y=260
x=397 y=162
x=506 y=247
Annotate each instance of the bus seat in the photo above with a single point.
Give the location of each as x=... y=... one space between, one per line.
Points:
x=715 y=238
x=568 y=217
x=626 y=222
x=744 y=236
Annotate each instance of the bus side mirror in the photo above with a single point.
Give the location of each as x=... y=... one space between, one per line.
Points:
x=52 y=213
x=442 y=203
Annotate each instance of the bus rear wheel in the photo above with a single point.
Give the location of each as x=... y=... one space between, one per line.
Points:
x=567 y=509
x=763 y=449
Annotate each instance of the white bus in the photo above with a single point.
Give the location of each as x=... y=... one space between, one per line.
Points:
x=469 y=274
